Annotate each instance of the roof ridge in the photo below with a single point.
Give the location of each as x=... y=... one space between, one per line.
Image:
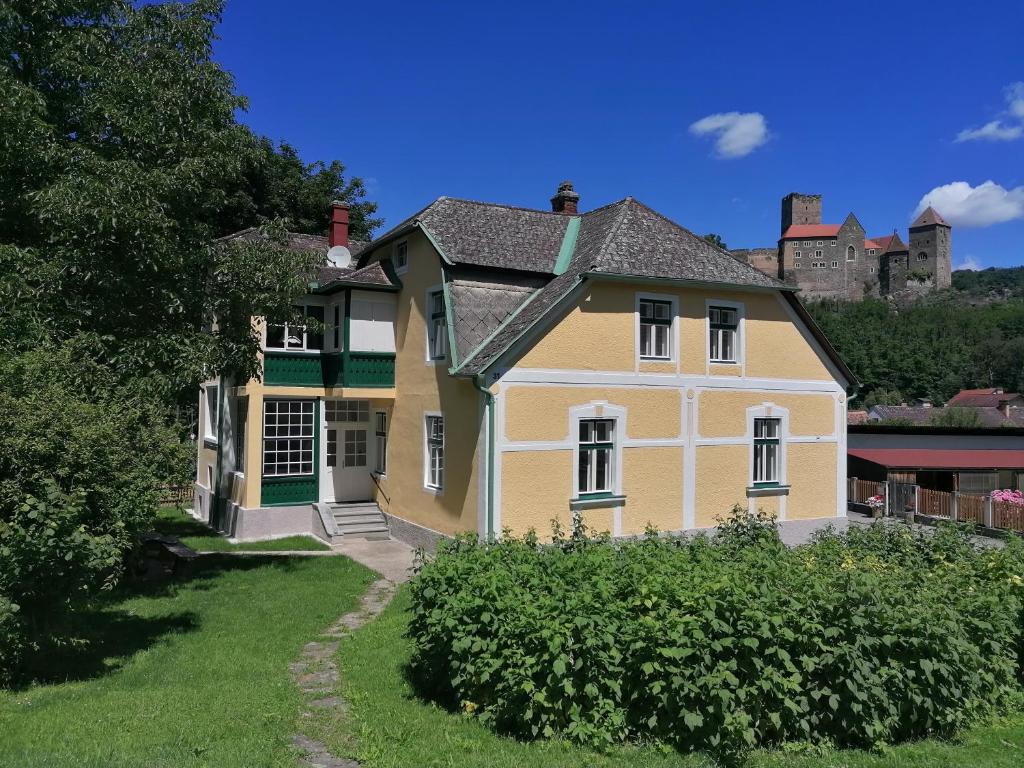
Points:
x=625 y=203
x=501 y=205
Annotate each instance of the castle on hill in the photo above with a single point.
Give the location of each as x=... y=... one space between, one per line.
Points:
x=839 y=261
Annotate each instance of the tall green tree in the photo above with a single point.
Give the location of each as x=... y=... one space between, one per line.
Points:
x=121 y=160
x=275 y=184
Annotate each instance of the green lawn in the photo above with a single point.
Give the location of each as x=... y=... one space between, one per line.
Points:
x=203 y=538
x=184 y=674
x=388 y=726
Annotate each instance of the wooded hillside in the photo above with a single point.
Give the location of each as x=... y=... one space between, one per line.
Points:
x=932 y=348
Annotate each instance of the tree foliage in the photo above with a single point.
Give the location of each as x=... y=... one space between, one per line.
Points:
x=715 y=239
x=932 y=348
x=276 y=184
x=121 y=159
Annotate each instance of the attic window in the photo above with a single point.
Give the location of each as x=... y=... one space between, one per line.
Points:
x=401 y=258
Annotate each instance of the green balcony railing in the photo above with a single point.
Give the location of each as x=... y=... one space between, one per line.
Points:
x=329 y=369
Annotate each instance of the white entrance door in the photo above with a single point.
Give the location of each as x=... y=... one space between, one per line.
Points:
x=345 y=468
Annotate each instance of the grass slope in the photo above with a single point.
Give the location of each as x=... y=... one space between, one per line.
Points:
x=185 y=674
x=389 y=727
x=200 y=537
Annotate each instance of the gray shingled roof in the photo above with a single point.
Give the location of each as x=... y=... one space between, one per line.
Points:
x=481 y=301
x=489 y=235
x=988 y=417
x=370 y=275
x=625 y=238
x=301 y=242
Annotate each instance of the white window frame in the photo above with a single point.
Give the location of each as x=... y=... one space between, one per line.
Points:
x=401 y=247
x=428 y=319
x=818 y=254
x=324 y=335
x=820 y=243
x=380 y=434
x=807 y=243
x=598 y=409
x=796 y=254
x=835 y=265
x=673 y=327
x=264 y=437
x=740 y=339
x=211 y=413
x=833 y=243
x=768 y=411
x=427 y=442
x=871 y=251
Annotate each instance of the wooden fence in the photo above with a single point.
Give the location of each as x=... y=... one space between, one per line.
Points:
x=860 y=491
x=975 y=508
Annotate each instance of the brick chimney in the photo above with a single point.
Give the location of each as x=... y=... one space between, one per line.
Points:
x=337 y=234
x=565 y=199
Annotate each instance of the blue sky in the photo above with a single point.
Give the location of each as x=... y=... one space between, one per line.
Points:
x=861 y=102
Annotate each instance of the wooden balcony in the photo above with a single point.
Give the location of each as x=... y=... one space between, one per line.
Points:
x=329 y=369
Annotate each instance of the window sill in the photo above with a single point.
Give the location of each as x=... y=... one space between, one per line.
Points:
x=434 y=491
x=767 y=490
x=724 y=362
x=589 y=502
x=656 y=359
x=210 y=442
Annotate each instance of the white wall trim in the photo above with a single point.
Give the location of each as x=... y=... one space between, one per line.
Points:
x=768 y=410
x=597 y=409
x=580 y=378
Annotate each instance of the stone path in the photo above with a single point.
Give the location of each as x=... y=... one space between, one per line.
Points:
x=315 y=672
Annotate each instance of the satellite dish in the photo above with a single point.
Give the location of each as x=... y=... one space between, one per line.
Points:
x=339 y=256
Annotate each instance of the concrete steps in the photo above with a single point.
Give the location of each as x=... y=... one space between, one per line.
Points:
x=362 y=519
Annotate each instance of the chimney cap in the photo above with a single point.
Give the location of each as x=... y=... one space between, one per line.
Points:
x=339 y=204
x=565 y=199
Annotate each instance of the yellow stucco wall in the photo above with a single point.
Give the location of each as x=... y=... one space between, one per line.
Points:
x=812 y=478
x=542 y=413
x=723 y=413
x=422 y=387
x=722 y=477
x=652 y=484
x=774 y=346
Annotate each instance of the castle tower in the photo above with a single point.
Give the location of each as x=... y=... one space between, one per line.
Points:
x=931 y=247
x=800 y=209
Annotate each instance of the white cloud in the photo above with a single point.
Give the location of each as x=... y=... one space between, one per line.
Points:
x=993 y=131
x=1000 y=130
x=737 y=134
x=1015 y=99
x=969 y=263
x=965 y=206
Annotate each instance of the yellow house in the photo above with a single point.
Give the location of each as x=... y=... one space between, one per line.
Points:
x=486 y=368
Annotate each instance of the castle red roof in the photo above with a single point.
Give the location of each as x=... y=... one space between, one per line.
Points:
x=811 y=230
x=928 y=218
x=871 y=244
x=889 y=243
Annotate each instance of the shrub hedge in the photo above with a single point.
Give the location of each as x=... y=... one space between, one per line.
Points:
x=722 y=644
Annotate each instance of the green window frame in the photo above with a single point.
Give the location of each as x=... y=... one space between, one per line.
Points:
x=596 y=448
x=767 y=467
x=438 y=336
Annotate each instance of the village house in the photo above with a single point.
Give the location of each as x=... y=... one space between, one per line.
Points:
x=486 y=367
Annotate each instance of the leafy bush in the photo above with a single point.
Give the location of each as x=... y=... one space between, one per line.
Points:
x=721 y=644
x=81 y=456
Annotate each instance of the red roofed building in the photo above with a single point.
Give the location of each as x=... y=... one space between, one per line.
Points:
x=839 y=261
x=992 y=397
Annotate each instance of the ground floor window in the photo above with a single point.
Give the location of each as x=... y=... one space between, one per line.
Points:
x=767 y=451
x=287 y=437
x=596 y=453
x=380 y=431
x=347 y=410
x=434 y=454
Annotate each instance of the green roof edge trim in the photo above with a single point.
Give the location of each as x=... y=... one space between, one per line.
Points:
x=565 y=253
